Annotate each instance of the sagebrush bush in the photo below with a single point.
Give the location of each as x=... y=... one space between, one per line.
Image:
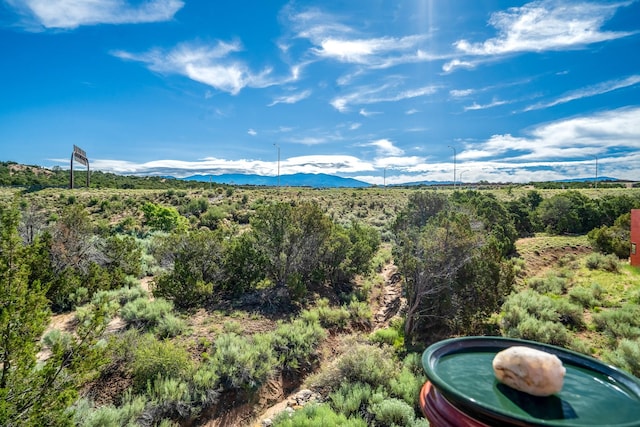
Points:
x=387 y=336
x=586 y=297
x=406 y=386
x=549 y=285
x=360 y=314
x=144 y=313
x=363 y=363
x=170 y=326
x=393 y=412
x=351 y=399
x=598 y=261
x=86 y=414
x=313 y=415
x=626 y=356
x=542 y=331
x=332 y=318
x=623 y=322
x=296 y=344
x=243 y=362
x=529 y=315
x=152 y=358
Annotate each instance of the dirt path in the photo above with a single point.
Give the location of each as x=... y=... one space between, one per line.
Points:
x=392 y=300
x=390 y=305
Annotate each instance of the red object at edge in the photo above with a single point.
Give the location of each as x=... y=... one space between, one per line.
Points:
x=440 y=412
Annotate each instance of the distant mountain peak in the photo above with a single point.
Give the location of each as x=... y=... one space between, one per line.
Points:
x=319 y=180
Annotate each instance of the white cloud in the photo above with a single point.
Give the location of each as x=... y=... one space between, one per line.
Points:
x=411 y=111
x=252 y=132
x=355 y=126
x=476 y=106
x=326 y=164
x=447 y=67
x=336 y=41
x=366 y=113
x=69 y=14
x=207 y=64
x=331 y=164
x=594 y=90
x=565 y=139
x=291 y=99
x=546 y=25
x=388 y=92
x=385 y=148
x=461 y=93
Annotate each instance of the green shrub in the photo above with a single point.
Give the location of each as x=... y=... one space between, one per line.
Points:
x=529 y=315
x=144 y=313
x=364 y=363
x=243 y=362
x=170 y=326
x=87 y=415
x=623 y=322
x=393 y=412
x=351 y=398
x=626 y=356
x=587 y=297
x=360 y=314
x=232 y=327
x=598 y=261
x=153 y=358
x=332 y=318
x=542 y=331
x=548 y=285
x=387 y=336
x=296 y=344
x=316 y=416
x=407 y=385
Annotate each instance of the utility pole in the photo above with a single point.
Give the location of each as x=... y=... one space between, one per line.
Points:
x=454 y=165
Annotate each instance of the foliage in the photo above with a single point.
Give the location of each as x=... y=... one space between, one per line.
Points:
x=316 y=416
x=163 y=218
x=152 y=315
x=597 y=261
x=243 y=363
x=530 y=315
x=362 y=364
x=290 y=238
x=153 y=358
x=551 y=284
x=454 y=278
x=626 y=356
x=623 y=322
x=587 y=297
x=296 y=344
x=87 y=415
x=34 y=394
x=394 y=412
x=613 y=239
x=196 y=259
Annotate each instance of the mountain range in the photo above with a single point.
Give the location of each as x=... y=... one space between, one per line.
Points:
x=321 y=180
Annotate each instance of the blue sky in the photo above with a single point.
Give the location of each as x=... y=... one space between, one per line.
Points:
x=368 y=89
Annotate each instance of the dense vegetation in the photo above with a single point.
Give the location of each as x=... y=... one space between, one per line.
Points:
x=253 y=285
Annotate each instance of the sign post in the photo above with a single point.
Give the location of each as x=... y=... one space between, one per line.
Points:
x=81 y=157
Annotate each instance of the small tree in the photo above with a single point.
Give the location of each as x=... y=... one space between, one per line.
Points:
x=290 y=238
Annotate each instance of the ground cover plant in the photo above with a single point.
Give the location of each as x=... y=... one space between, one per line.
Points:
x=174 y=306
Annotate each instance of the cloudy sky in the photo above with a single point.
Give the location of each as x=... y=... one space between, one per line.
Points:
x=513 y=91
